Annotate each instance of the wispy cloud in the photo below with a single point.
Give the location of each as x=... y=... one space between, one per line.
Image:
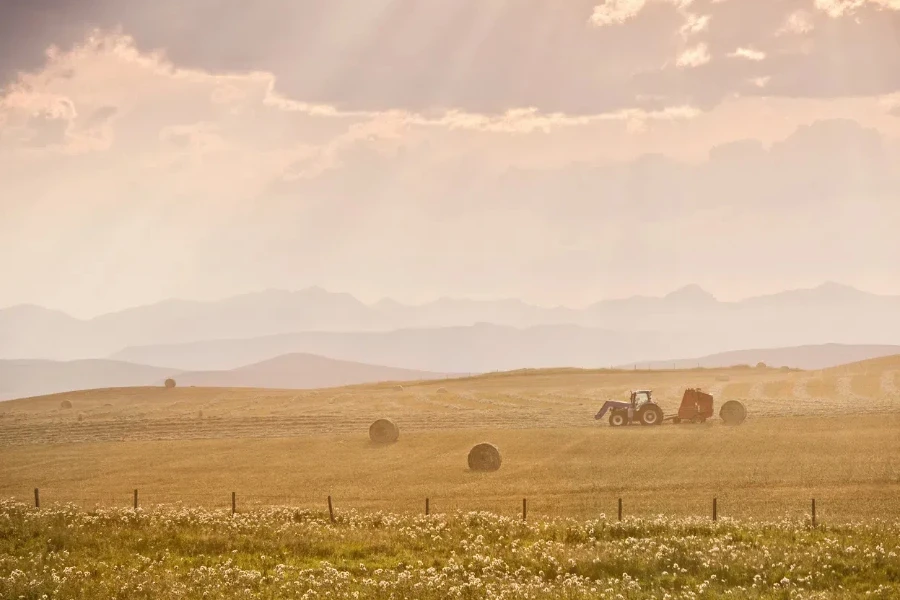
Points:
x=694 y=57
x=798 y=22
x=748 y=53
x=840 y=8
x=613 y=12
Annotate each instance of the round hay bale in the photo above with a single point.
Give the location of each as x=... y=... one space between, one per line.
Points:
x=65 y=404
x=484 y=457
x=442 y=391
x=170 y=383
x=384 y=431
x=733 y=412
x=760 y=365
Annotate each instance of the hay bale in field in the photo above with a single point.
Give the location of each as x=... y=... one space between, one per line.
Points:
x=760 y=365
x=384 y=431
x=65 y=404
x=733 y=413
x=442 y=391
x=398 y=388
x=170 y=383
x=484 y=457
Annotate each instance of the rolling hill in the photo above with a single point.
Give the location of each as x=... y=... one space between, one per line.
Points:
x=25 y=378
x=798 y=357
x=302 y=371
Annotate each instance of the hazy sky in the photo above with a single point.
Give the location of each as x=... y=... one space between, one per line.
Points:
x=560 y=152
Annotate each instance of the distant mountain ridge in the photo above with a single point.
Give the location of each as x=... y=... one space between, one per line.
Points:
x=469 y=349
x=690 y=316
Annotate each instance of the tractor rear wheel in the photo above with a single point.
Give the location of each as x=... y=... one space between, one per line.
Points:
x=733 y=412
x=651 y=414
x=617 y=419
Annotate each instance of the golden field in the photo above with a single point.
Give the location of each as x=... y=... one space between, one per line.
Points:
x=832 y=434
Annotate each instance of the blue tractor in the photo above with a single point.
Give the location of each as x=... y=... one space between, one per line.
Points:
x=640 y=409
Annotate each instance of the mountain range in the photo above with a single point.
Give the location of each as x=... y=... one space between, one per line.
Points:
x=451 y=334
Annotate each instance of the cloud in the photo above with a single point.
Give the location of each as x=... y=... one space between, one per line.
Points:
x=126 y=177
x=798 y=22
x=695 y=24
x=694 y=57
x=840 y=8
x=749 y=54
x=488 y=57
x=613 y=12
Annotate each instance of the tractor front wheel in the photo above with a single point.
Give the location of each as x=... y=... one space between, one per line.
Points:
x=617 y=419
x=651 y=414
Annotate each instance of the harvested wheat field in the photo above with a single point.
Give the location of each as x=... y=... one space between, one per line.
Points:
x=833 y=435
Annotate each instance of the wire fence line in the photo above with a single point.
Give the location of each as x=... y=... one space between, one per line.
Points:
x=728 y=505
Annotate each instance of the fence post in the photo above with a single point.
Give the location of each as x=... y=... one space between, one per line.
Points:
x=715 y=510
x=426 y=506
x=37 y=498
x=524 y=509
x=813 y=512
x=233 y=503
x=330 y=510
x=135 y=499
x=620 y=509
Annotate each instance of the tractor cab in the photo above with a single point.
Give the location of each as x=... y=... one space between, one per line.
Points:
x=640 y=398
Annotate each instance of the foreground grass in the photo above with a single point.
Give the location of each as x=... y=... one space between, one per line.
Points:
x=64 y=552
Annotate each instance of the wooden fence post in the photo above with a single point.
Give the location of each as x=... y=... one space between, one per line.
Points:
x=135 y=499
x=620 y=509
x=330 y=510
x=524 y=509
x=715 y=511
x=813 y=512
x=233 y=503
x=37 y=498
x=426 y=506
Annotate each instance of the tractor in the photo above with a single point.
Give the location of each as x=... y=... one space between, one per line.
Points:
x=696 y=407
x=640 y=409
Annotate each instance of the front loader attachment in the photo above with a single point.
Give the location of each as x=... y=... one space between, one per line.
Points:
x=609 y=405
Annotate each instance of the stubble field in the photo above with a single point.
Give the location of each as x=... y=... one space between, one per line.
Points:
x=831 y=435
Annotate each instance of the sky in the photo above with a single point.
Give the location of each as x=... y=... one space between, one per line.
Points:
x=558 y=152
